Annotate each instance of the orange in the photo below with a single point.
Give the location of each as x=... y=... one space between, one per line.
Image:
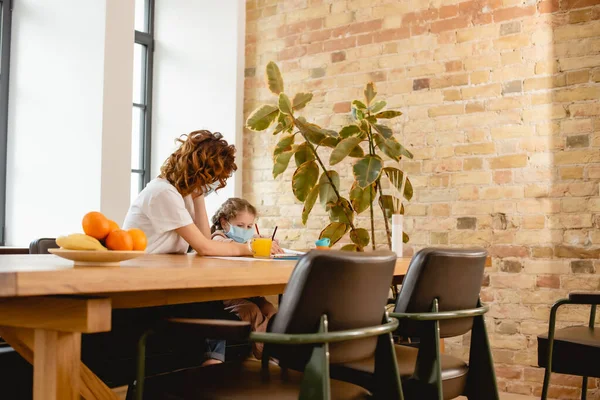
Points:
x=119 y=240
x=139 y=239
x=96 y=225
x=113 y=225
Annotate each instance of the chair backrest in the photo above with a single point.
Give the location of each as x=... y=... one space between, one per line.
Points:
x=453 y=276
x=350 y=288
x=41 y=246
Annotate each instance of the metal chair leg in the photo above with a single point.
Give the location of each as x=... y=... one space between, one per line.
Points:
x=141 y=366
x=584 y=383
x=546 y=384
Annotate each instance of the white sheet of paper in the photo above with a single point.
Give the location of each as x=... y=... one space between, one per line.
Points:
x=288 y=251
x=244 y=258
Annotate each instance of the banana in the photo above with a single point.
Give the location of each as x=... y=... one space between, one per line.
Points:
x=79 y=241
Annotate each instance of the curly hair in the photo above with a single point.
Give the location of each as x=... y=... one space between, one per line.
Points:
x=203 y=158
x=230 y=209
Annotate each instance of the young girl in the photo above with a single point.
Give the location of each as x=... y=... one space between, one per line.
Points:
x=234 y=222
x=172 y=213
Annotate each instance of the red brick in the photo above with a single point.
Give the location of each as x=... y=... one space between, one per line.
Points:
x=559 y=392
x=482 y=19
x=419 y=84
x=416 y=30
x=391 y=34
x=548 y=281
x=340 y=44
x=450 y=24
x=364 y=39
x=420 y=16
x=314 y=48
x=573 y=4
x=453 y=66
x=509 y=372
x=448 y=11
x=548 y=6
x=509 y=13
x=358 y=27
x=340 y=108
x=300 y=27
x=501 y=177
x=291 y=41
x=338 y=56
x=252 y=15
x=315 y=36
x=502 y=251
x=292 y=52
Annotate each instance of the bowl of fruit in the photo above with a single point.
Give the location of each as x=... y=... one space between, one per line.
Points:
x=103 y=243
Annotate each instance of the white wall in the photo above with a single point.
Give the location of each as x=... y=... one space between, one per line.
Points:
x=198 y=77
x=59 y=136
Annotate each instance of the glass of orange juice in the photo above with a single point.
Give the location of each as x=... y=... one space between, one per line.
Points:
x=261 y=247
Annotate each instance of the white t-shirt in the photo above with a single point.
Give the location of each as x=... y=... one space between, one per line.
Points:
x=158 y=210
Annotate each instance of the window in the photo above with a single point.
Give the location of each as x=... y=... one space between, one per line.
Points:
x=5 y=21
x=143 y=49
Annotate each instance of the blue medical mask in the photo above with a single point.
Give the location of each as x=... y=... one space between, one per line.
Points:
x=240 y=235
x=211 y=188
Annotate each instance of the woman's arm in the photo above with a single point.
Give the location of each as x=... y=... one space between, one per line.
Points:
x=201 y=217
x=206 y=247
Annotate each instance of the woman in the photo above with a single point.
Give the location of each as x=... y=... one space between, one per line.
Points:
x=172 y=213
x=171 y=209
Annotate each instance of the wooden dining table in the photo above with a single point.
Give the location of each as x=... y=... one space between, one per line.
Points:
x=46 y=304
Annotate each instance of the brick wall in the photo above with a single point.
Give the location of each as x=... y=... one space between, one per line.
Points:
x=500 y=103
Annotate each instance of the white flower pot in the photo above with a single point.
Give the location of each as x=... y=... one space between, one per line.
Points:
x=397 y=220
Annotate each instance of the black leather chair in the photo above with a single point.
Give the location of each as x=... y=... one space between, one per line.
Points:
x=439 y=298
x=331 y=313
x=574 y=350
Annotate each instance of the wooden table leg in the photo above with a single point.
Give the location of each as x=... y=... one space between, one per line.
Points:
x=56 y=362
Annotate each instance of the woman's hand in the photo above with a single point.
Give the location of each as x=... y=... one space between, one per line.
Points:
x=276 y=248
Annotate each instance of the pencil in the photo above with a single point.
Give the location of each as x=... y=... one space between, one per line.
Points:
x=257 y=231
x=274 y=232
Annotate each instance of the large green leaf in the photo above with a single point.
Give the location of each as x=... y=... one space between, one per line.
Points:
x=367 y=170
x=326 y=191
x=357 y=114
x=349 y=130
x=349 y=247
x=304 y=179
x=284 y=144
x=284 y=104
x=389 y=114
x=408 y=189
x=376 y=107
x=301 y=100
x=343 y=149
x=312 y=132
x=330 y=141
x=361 y=198
x=405 y=152
x=389 y=147
x=303 y=154
x=281 y=163
x=341 y=212
x=309 y=203
x=334 y=231
x=360 y=237
x=285 y=124
x=359 y=104
x=384 y=130
x=274 y=78
x=386 y=202
x=370 y=92
x=262 y=117
x=357 y=152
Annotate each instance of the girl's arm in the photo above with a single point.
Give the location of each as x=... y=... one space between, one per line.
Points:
x=206 y=247
x=201 y=217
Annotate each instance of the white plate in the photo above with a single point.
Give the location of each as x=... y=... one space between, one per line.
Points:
x=96 y=258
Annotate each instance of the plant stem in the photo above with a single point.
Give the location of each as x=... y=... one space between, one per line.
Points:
x=348 y=217
x=385 y=218
x=371 y=152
